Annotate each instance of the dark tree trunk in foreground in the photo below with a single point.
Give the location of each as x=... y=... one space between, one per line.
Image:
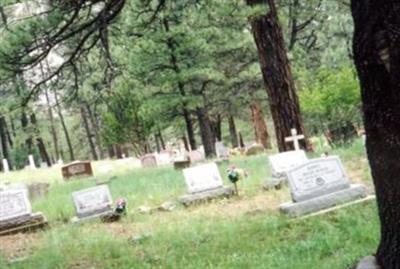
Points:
x=277 y=75
x=65 y=129
x=4 y=140
x=233 y=132
x=377 y=57
x=260 y=127
x=206 y=132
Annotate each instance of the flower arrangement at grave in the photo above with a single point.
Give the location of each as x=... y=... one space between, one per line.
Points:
x=120 y=206
x=235 y=174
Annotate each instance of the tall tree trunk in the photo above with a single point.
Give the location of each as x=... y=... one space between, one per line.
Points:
x=277 y=75
x=161 y=138
x=241 y=142
x=260 y=127
x=207 y=136
x=185 y=143
x=111 y=151
x=174 y=62
x=39 y=141
x=4 y=140
x=24 y=124
x=65 y=129
x=232 y=131
x=95 y=129
x=88 y=133
x=52 y=126
x=217 y=127
x=118 y=151
x=376 y=48
x=156 y=139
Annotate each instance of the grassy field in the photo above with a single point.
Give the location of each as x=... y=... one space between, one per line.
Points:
x=242 y=232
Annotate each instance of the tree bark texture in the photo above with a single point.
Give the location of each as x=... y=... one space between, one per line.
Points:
x=376 y=47
x=4 y=141
x=52 y=126
x=88 y=134
x=233 y=132
x=206 y=132
x=277 y=75
x=260 y=127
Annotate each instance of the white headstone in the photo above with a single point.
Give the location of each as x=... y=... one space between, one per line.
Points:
x=14 y=203
x=202 y=178
x=317 y=177
x=6 y=167
x=284 y=161
x=294 y=138
x=31 y=162
x=221 y=150
x=92 y=201
x=163 y=158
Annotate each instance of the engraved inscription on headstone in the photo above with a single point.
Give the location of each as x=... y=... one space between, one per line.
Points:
x=77 y=168
x=14 y=203
x=317 y=177
x=202 y=178
x=92 y=201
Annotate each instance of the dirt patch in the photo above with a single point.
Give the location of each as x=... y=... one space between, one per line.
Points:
x=19 y=246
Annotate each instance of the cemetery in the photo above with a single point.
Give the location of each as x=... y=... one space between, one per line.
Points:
x=199 y=134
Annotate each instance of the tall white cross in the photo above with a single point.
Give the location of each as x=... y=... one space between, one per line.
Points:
x=294 y=138
x=6 y=167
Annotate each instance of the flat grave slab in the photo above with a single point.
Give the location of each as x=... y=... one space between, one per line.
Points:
x=203 y=183
x=320 y=184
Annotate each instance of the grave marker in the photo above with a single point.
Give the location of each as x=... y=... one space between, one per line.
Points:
x=282 y=162
x=31 y=162
x=221 y=150
x=92 y=203
x=204 y=182
x=320 y=184
x=149 y=160
x=6 y=167
x=78 y=168
x=16 y=212
x=295 y=139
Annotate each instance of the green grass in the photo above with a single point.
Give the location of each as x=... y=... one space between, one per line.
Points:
x=221 y=234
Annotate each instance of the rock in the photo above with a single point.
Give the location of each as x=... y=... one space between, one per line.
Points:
x=368 y=263
x=167 y=207
x=255 y=150
x=144 y=209
x=138 y=239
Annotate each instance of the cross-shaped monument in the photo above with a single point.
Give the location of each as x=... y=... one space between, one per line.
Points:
x=294 y=138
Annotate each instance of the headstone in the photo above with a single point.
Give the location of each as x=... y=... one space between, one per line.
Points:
x=320 y=184
x=16 y=212
x=92 y=203
x=294 y=138
x=38 y=190
x=282 y=162
x=163 y=158
x=149 y=160
x=255 y=149
x=221 y=150
x=196 y=156
x=78 y=168
x=31 y=162
x=6 y=167
x=204 y=182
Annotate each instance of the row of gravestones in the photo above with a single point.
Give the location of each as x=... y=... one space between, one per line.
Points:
x=315 y=185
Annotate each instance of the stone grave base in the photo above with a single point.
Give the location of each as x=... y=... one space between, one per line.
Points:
x=109 y=216
x=273 y=183
x=355 y=192
x=368 y=263
x=23 y=224
x=189 y=199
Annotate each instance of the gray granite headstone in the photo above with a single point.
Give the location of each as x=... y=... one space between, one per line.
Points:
x=204 y=182
x=317 y=177
x=320 y=184
x=284 y=161
x=92 y=202
x=14 y=203
x=221 y=150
